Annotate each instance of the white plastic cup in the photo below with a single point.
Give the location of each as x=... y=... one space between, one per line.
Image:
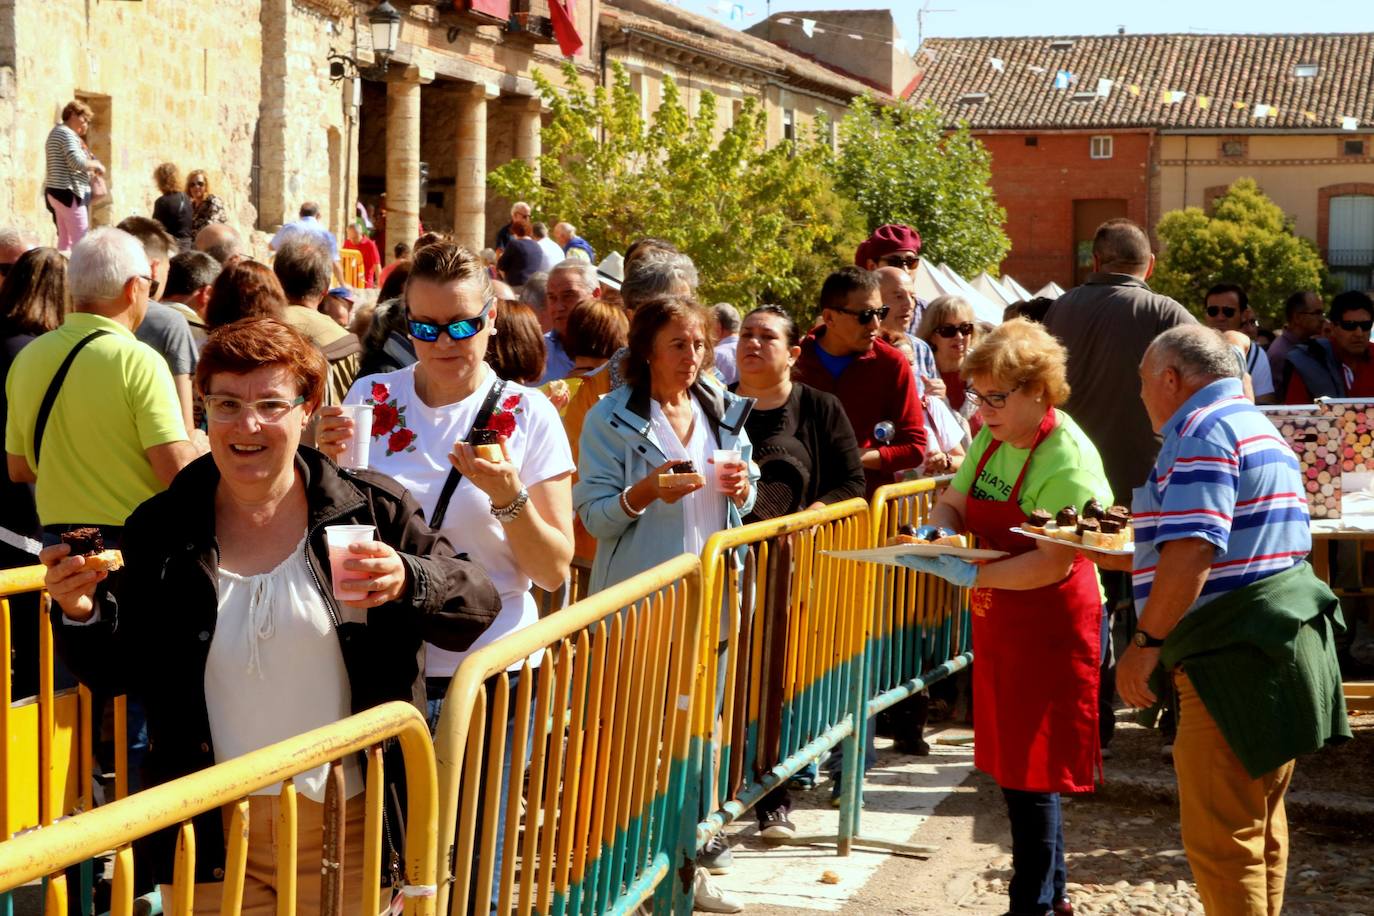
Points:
x=338 y=538
x=724 y=458
x=355 y=453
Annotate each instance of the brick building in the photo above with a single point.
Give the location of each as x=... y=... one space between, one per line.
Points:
x=1069 y=151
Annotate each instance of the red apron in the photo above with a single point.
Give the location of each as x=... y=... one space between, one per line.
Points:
x=1037 y=655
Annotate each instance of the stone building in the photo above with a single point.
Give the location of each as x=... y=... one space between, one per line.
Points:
x=1082 y=129
x=283 y=101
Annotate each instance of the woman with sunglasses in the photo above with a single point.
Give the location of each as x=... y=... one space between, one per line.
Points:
x=1038 y=622
x=207 y=208
x=951 y=329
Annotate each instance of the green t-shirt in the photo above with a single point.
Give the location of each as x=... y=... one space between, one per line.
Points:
x=1066 y=471
x=117 y=402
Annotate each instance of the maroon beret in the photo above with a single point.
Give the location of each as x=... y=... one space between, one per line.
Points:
x=884 y=241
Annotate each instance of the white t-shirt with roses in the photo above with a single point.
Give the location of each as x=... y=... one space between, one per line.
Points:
x=411 y=442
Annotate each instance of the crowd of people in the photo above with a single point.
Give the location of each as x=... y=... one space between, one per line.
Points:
x=527 y=413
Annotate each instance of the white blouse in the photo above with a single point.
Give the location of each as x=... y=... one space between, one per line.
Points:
x=703 y=511
x=276 y=668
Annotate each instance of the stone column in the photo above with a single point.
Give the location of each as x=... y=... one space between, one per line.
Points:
x=470 y=214
x=525 y=112
x=403 y=158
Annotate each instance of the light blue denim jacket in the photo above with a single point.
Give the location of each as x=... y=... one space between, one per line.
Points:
x=618 y=449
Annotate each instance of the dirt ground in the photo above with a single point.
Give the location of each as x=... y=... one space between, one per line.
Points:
x=1125 y=853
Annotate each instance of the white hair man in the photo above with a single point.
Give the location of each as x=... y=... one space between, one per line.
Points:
x=567 y=238
x=727 y=339
x=1232 y=612
x=13 y=243
x=116 y=436
x=570 y=283
x=519 y=226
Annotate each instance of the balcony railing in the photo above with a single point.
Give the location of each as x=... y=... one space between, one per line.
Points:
x=1350 y=257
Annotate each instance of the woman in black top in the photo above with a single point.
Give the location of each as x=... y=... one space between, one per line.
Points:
x=807 y=456
x=173 y=209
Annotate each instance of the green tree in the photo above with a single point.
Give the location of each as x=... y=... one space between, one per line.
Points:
x=757 y=222
x=1247 y=239
x=901 y=165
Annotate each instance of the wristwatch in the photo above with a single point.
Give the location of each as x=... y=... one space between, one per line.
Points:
x=1144 y=640
x=507 y=514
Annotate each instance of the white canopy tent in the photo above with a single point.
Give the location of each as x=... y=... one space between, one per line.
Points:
x=1022 y=294
x=984 y=307
x=988 y=285
x=1051 y=290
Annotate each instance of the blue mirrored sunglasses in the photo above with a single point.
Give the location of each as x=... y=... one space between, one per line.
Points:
x=458 y=330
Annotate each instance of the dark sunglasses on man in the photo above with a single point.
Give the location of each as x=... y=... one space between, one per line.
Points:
x=461 y=329
x=904 y=261
x=1228 y=310
x=1347 y=324
x=952 y=330
x=867 y=315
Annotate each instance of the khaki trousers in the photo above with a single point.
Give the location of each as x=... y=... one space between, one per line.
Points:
x=260 y=882
x=1235 y=830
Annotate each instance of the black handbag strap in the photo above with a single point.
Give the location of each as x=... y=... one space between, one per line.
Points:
x=50 y=396
x=454 y=476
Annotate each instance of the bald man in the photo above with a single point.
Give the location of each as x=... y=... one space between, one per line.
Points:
x=898 y=291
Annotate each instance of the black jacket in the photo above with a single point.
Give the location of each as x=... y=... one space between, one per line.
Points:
x=158 y=614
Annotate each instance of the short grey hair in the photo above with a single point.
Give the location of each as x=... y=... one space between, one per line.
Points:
x=584 y=269
x=657 y=273
x=518 y=206
x=564 y=227
x=12 y=238
x=535 y=291
x=102 y=263
x=727 y=316
x=1195 y=352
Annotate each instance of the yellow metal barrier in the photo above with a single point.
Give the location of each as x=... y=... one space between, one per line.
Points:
x=46 y=761
x=782 y=646
x=599 y=717
x=47 y=851
x=352 y=262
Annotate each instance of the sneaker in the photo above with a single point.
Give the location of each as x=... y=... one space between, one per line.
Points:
x=717 y=858
x=776 y=825
x=1063 y=907
x=708 y=898
x=916 y=746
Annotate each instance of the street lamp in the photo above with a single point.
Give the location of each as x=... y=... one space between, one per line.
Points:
x=384 y=24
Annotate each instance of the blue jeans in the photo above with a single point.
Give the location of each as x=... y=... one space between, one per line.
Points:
x=435 y=688
x=1038 y=873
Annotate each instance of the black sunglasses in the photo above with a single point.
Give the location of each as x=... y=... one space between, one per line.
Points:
x=950 y=330
x=461 y=329
x=899 y=260
x=867 y=315
x=1215 y=310
x=1351 y=325
x=197 y=184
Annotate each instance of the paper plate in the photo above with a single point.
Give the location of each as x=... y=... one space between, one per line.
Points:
x=1035 y=535
x=888 y=555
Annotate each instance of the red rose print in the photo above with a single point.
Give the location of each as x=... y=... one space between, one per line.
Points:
x=511 y=402
x=384 y=419
x=503 y=424
x=379 y=394
x=399 y=440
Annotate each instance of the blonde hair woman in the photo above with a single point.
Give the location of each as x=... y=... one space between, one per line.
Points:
x=207 y=208
x=1037 y=613
x=951 y=329
x=173 y=209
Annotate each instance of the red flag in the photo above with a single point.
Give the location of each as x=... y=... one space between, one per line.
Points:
x=562 y=13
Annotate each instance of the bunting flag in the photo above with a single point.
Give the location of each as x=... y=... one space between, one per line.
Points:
x=737 y=12
x=997 y=64
x=1239 y=106
x=1261 y=110
x=1350 y=123
x=1104 y=87
x=1062 y=79
x=1172 y=96
x=1204 y=102
x=564 y=18
x=1034 y=69
x=808 y=27
x=1310 y=115
x=1133 y=89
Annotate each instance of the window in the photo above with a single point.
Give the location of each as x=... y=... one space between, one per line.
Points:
x=1232 y=149
x=834 y=136
x=973 y=98
x=1350 y=245
x=1083 y=97
x=638 y=87
x=789 y=124
x=1032 y=141
x=736 y=109
x=1305 y=71
x=1100 y=148
x=1062 y=44
x=1353 y=148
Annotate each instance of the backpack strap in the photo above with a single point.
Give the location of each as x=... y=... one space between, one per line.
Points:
x=50 y=396
x=454 y=476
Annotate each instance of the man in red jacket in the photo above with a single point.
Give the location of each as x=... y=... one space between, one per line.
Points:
x=872 y=379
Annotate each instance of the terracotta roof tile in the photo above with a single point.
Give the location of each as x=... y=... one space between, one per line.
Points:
x=1254 y=69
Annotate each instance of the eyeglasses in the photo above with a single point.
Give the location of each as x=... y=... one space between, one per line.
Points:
x=1227 y=310
x=1349 y=325
x=951 y=330
x=461 y=329
x=225 y=408
x=907 y=261
x=197 y=184
x=994 y=399
x=867 y=315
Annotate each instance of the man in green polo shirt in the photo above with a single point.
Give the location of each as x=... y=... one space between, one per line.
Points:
x=115 y=434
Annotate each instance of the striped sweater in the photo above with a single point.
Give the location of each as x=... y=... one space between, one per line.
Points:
x=1223 y=475
x=68 y=162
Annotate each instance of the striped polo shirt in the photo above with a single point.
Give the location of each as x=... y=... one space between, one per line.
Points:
x=1226 y=476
